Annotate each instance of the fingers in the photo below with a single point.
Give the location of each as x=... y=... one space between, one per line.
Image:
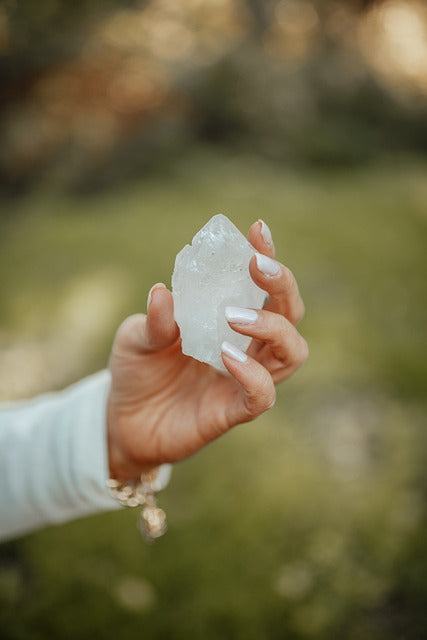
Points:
x=281 y=286
x=286 y=345
x=162 y=329
x=257 y=392
x=157 y=330
x=260 y=238
x=276 y=279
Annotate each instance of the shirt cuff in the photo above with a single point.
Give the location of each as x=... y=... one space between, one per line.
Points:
x=54 y=458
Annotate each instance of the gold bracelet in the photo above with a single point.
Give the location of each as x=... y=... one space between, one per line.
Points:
x=141 y=492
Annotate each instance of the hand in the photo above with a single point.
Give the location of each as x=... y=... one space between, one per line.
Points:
x=163 y=406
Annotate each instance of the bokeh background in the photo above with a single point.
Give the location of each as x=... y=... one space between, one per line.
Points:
x=123 y=127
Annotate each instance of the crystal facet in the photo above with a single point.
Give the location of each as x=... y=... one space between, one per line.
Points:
x=211 y=274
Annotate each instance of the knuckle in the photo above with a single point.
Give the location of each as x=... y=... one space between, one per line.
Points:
x=300 y=313
x=124 y=334
x=130 y=325
x=250 y=414
x=249 y=411
x=285 y=339
x=283 y=328
x=288 y=279
x=303 y=352
x=262 y=398
x=268 y=397
x=271 y=397
x=124 y=328
x=305 y=348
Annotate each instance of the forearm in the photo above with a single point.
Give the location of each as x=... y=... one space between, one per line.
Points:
x=53 y=457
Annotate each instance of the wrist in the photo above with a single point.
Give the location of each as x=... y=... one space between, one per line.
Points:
x=120 y=465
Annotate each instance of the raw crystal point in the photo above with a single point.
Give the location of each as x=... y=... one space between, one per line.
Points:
x=209 y=275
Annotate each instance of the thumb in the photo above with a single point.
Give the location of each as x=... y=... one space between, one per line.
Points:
x=161 y=328
x=152 y=332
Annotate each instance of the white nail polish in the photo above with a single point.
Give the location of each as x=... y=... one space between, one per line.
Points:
x=242 y=316
x=232 y=351
x=266 y=265
x=265 y=232
x=150 y=293
x=149 y=296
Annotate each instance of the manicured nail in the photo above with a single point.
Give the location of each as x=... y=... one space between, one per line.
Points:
x=266 y=265
x=265 y=232
x=232 y=351
x=158 y=284
x=242 y=316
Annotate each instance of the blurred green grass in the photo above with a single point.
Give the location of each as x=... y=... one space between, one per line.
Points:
x=308 y=523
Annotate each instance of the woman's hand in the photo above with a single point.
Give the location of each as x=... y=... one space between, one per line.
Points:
x=163 y=406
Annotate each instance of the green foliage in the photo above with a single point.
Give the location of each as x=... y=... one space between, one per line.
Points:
x=88 y=95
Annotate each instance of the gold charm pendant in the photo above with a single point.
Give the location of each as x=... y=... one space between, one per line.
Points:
x=141 y=492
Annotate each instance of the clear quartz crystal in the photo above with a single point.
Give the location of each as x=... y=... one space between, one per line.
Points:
x=209 y=275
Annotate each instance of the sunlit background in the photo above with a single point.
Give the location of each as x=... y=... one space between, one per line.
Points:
x=124 y=125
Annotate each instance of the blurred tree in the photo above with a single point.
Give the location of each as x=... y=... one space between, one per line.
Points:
x=98 y=90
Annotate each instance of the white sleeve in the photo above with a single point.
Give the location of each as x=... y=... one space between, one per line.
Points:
x=53 y=457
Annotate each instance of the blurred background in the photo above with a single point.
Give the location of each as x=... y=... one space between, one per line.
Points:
x=124 y=125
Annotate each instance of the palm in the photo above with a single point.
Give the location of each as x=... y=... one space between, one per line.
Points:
x=172 y=404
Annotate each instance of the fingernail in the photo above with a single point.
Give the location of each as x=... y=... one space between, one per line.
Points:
x=232 y=351
x=265 y=232
x=266 y=265
x=243 y=316
x=158 y=284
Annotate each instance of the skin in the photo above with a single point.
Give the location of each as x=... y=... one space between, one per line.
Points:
x=164 y=406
